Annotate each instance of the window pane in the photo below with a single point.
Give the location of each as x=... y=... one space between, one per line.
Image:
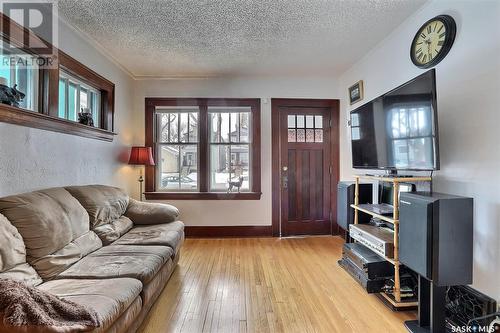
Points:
x=184 y=137
x=72 y=91
x=240 y=164
x=300 y=121
x=15 y=71
x=318 y=121
x=193 y=127
x=169 y=168
x=291 y=135
x=189 y=167
x=83 y=99
x=245 y=127
x=319 y=135
x=291 y=121
x=309 y=135
x=234 y=129
x=309 y=121
x=96 y=108
x=219 y=167
x=301 y=135
x=173 y=123
x=62 y=99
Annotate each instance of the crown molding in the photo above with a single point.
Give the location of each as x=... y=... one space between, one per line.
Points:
x=101 y=49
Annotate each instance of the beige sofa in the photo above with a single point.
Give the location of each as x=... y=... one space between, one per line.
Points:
x=92 y=245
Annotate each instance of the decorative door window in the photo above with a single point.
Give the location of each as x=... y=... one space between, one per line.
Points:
x=305 y=128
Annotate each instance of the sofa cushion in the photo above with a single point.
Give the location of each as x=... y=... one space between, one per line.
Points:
x=151 y=213
x=13 y=256
x=110 y=298
x=139 y=262
x=167 y=234
x=47 y=220
x=51 y=265
x=23 y=272
x=12 y=249
x=110 y=232
x=104 y=204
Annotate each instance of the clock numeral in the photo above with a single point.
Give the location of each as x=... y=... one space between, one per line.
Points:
x=419 y=50
x=430 y=56
x=423 y=35
x=440 y=43
x=435 y=26
x=425 y=57
x=442 y=35
x=419 y=56
x=429 y=29
x=440 y=28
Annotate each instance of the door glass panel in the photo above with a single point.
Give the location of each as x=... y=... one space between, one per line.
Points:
x=309 y=121
x=318 y=121
x=291 y=121
x=309 y=135
x=319 y=135
x=291 y=135
x=300 y=121
x=301 y=135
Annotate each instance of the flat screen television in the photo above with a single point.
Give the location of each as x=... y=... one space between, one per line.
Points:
x=398 y=130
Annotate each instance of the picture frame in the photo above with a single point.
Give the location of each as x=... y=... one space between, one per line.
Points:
x=356 y=92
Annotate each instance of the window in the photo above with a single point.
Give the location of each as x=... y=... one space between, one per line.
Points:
x=355 y=127
x=305 y=128
x=75 y=96
x=230 y=144
x=177 y=149
x=55 y=88
x=15 y=71
x=201 y=146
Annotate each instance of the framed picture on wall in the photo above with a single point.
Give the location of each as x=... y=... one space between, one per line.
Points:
x=356 y=92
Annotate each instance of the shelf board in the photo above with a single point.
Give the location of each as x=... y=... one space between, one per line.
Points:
x=402 y=179
x=382 y=217
x=411 y=303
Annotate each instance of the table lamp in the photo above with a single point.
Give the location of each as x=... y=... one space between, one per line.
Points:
x=141 y=156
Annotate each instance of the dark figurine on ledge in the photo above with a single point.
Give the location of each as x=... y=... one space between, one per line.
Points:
x=10 y=96
x=85 y=117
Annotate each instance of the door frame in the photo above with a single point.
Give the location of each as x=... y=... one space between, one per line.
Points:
x=276 y=104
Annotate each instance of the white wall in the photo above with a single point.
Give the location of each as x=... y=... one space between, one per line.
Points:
x=33 y=159
x=235 y=212
x=468 y=89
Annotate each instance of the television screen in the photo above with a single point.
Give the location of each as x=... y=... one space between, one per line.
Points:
x=398 y=130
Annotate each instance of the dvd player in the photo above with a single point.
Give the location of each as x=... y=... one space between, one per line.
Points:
x=378 y=239
x=368 y=261
x=370 y=285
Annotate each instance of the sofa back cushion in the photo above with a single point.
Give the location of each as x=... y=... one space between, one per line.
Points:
x=105 y=206
x=13 y=255
x=49 y=222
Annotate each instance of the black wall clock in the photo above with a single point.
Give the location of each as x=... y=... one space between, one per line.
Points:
x=433 y=41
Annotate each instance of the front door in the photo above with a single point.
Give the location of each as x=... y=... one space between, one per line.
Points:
x=305 y=170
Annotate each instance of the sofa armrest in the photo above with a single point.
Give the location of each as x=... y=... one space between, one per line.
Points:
x=151 y=213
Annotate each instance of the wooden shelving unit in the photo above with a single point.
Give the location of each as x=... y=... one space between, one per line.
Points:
x=395 y=298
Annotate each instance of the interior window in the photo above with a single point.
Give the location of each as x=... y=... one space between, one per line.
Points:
x=76 y=96
x=17 y=70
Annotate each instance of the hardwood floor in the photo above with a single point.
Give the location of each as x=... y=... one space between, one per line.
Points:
x=267 y=285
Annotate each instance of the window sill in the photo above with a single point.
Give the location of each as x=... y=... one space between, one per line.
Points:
x=202 y=196
x=13 y=115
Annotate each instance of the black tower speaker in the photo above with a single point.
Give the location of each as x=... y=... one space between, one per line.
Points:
x=435 y=240
x=345 y=197
x=435 y=236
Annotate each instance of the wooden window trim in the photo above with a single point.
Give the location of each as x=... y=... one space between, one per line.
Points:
x=48 y=96
x=204 y=193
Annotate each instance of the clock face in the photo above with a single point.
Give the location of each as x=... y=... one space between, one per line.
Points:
x=433 y=41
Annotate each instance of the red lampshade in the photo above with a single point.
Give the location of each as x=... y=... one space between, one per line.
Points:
x=141 y=156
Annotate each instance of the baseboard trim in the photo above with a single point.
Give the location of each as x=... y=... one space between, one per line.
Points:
x=228 y=231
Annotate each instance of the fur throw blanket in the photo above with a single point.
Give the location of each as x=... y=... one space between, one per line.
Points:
x=25 y=308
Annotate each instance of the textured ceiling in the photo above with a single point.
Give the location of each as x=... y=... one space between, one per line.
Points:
x=183 y=38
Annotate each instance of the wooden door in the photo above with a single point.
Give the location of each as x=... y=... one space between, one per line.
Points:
x=305 y=171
